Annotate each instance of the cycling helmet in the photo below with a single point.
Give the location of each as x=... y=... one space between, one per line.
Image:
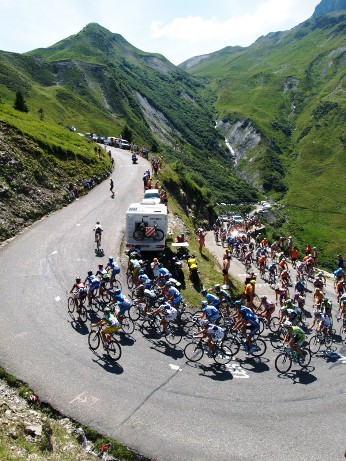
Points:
x=168 y=283
x=237 y=303
x=203 y=292
x=217 y=286
x=204 y=322
x=204 y=303
x=287 y=324
x=111 y=259
x=263 y=298
x=344 y=301
x=90 y=272
x=78 y=279
x=320 y=273
x=107 y=310
x=141 y=272
x=117 y=292
x=289 y=301
x=100 y=265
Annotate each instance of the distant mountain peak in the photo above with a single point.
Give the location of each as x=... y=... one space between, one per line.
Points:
x=328 y=6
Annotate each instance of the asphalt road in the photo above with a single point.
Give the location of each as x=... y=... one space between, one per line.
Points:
x=152 y=400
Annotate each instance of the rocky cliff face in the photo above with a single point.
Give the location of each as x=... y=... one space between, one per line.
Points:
x=328 y=6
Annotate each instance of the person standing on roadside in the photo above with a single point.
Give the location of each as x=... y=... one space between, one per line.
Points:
x=111 y=183
x=314 y=254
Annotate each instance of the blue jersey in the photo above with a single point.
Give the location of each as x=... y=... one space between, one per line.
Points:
x=212 y=299
x=212 y=313
x=248 y=315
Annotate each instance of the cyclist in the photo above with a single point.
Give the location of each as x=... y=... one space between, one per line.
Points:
x=272 y=270
x=104 y=277
x=268 y=308
x=283 y=265
x=281 y=294
x=295 y=337
x=94 y=284
x=214 y=334
x=209 y=313
x=79 y=293
x=342 y=308
x=169 y=314
x=246 y=319
x=285 y=278
x=294 y=255
x=122 y=302
x=318 y=296
x=300 y=287
x=224 y=297
x=173 y=295
x=143 y=279
x=262 y=261
x=111 y=322
x=290 y=312
x=98 y=232
x=324 y=323
x=114 y=268
x=212 y=299
x=318 y=281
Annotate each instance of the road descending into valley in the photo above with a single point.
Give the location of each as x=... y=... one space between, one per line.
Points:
x=152 y=399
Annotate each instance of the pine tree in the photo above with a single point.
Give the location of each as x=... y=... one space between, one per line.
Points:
x=20 y=103
x=127 y=134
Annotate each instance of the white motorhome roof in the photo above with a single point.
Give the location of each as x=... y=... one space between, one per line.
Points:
x=141 y=208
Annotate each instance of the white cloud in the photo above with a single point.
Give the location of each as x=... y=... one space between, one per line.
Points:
x=243 y=29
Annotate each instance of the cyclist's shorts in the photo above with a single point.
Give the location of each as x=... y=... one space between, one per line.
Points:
x=94 y=287
x=111 y=329
x=254 y=327
x=125 y=307
x=217 y=336
x=115 y=271
x=299 y=339
x=213 y=318
x=171 y=316
x=135 y=271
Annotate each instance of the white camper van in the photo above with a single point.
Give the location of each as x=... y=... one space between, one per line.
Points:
x=146 y=225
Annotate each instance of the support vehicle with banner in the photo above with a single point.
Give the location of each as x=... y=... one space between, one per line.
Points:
x=146 y=226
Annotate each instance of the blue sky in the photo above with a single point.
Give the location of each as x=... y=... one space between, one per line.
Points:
x=178 y=29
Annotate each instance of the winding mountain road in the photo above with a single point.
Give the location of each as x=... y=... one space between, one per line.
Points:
x=152 y=400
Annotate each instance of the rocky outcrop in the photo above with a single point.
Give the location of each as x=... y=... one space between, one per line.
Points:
x=240 y=137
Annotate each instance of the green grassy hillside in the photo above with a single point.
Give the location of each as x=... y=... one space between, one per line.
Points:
x=100 y=83
x=291 y=87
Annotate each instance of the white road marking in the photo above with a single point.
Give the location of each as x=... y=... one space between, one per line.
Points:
x=237 y=371
x=54 y=252
x=77 y=224
x=175 y=367
x=57 y=298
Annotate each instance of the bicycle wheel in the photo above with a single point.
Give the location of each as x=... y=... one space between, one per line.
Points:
x=129 y=280
x=274 y=324
x=127 y=325
x=159 y=235
x=328 y=341
x=259 y=347
x=113 y=350
x=262 y=325
x=223 y=355
x=256 y=301
x=151 y=327
x=233 y=345
x=83 y=314
x=70 y=305
x=173 y=335
x=106 y=295
x=283 y=363
x=304 y=362
x=94 y=339
x=138 y=234
x=117 y=285
x=193 y=352
x=314 y=344
x=135 y=311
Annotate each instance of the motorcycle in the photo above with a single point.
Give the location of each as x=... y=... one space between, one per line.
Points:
x=134 y=159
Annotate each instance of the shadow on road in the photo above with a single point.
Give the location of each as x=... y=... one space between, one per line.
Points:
x=300 y=376
x=79 y=327
x=126 y=339
x=107 y=364
x=254 y=364
x=216 y=372
x=175 y=352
